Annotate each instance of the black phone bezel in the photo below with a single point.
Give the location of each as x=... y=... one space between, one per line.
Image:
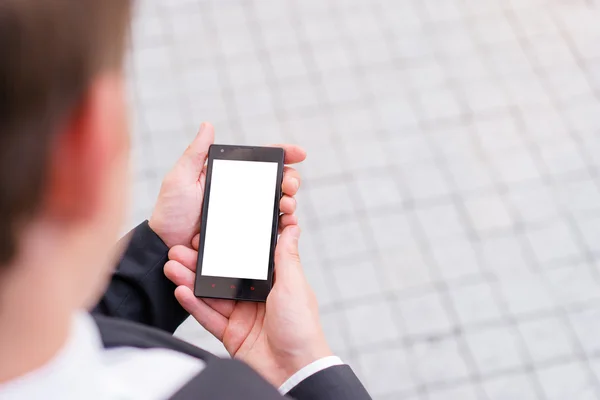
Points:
x=238 y=288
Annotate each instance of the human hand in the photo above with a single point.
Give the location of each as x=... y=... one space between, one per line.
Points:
x=276 y=338
x=176 y=215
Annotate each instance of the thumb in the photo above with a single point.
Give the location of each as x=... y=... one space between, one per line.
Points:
x=194 y=157
x=287 y=257
x=196 y=242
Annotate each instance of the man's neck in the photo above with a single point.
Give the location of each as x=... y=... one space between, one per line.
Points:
x=35 y=314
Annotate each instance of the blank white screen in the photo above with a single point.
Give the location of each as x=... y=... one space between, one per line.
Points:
x=239 y=219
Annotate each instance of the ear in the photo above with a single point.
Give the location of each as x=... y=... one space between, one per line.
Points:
x=83 y=150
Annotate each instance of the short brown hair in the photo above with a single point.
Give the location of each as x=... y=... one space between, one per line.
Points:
x=51 y=51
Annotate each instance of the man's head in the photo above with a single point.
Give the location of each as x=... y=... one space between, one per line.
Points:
x=63 y=136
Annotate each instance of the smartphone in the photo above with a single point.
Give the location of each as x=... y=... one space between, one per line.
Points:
x=239 y=222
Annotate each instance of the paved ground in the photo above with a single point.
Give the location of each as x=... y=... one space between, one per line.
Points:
x=451 y=205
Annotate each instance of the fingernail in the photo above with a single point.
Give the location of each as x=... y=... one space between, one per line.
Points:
x=202 y=126
x=295 y=183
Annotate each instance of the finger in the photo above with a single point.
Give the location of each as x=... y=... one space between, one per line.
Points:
x=179 y=274
x=287 y=220
x=293 y=153
x=244 y=319
x=209 y=318
x=185 y=256
x=223 y=307
x=182 y=276
x=287 y=205
x=291 y=181
x=194 y=157
x=287 y=258
x=202 y=179
x=196 y=242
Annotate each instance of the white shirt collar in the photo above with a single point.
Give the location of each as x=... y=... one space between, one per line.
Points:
x=83 y=369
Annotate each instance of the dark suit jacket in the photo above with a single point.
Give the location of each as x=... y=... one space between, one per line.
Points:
x=140 y=310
